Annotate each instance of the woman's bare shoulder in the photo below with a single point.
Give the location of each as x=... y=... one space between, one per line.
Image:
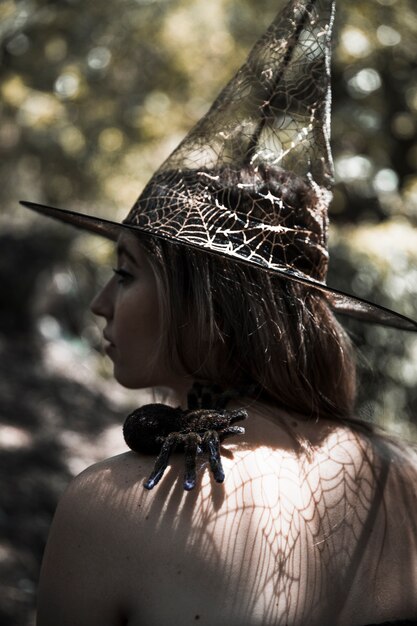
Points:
x=111 y=486
x=322 y=507
x=121 y=469
x=81 y=579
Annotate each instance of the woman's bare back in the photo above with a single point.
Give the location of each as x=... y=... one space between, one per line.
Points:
x=325 y=537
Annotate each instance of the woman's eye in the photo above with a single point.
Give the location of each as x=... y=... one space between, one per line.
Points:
x=122 y=275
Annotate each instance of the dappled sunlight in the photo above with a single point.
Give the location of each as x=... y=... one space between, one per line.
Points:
x=286 y=539
x=13 y=438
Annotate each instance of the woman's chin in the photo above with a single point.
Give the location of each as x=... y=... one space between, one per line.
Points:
x=133 y=377
x=128 y=381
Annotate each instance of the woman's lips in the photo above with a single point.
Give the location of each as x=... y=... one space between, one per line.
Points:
x=110 y=345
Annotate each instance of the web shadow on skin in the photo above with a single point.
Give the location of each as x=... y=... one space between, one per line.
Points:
x=293 y=536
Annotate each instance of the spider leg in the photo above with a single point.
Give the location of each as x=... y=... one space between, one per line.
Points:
x=191 y=444
x=230 y=431
x=162 y=461
x=212 y=441
x=238 y=415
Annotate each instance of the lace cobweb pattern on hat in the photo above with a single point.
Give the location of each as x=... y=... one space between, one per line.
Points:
x=251 y=215
x=249 y=179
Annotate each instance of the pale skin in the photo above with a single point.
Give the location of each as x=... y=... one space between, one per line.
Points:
x=291 y=537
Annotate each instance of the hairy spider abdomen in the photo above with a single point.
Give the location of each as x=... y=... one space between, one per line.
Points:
x=144 y=426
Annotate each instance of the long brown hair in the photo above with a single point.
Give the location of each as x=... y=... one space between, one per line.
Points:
x=236 y=325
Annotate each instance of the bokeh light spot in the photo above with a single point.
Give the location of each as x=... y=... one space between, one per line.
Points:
x=367 y=118
x=39 y=109
x=98 y=58
x=353 y=167
x=364 y=82
x=49 y=327
x=403 y=125
x=14 y=438
x=157 y=102
x=386 y=181
x=72 y=140
x=111 y=139
x=355 y=42
x=14 y=91
x=67 y=85
x=388 y=36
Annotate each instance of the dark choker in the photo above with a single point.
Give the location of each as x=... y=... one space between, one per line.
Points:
x=198 y=430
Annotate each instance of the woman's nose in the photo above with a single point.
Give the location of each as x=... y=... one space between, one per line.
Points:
x=102 y=304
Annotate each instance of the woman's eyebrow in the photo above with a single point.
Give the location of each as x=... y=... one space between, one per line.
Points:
x=122 y=250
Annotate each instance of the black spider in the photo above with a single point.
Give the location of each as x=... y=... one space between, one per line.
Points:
x=158 y=428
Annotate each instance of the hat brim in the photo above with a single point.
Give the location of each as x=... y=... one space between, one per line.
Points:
x=340 y=301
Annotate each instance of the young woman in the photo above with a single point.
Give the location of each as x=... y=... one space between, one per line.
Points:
x=313 y=524
x=219 y=294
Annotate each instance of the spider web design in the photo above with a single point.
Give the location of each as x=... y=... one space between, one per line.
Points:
x=292 y=545
x=251 y=179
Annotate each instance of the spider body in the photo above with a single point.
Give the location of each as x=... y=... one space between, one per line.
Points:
x=158 y=428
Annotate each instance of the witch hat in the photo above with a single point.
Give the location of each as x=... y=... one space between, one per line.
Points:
x=251 y=181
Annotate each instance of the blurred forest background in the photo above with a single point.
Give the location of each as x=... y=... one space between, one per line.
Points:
x=94 y=96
